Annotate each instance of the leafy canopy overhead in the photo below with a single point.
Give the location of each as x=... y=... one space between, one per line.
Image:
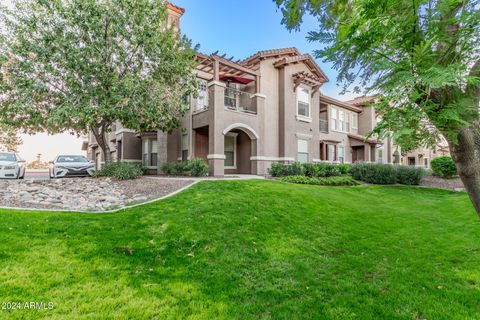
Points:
x=422 y=56
x=75 y=65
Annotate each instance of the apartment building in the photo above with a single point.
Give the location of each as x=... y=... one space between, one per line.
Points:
x=267 y=108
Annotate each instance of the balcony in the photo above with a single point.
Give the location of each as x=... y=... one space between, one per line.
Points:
x=239 y=101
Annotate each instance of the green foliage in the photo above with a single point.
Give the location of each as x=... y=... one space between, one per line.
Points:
x=344 y=168
x=409 y=175
x=9 y=139
x=329 y=181
x=195 y=168
x=378 y=173
x=308 y=169
x=122 y=170
x=198 y=167
x=283 y=170
x=82 y=65
x=422 y=57
x=374 y=173
x=444 y=167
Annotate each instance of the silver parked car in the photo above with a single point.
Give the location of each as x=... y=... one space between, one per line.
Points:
x=71 y=166
x=11 y=166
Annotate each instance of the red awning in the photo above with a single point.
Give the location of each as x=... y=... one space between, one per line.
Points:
x=235 y=79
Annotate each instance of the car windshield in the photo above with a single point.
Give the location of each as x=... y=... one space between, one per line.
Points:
x=7 y=157
x=72 y=159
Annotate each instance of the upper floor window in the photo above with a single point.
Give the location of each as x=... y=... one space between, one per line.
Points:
x=334 y=117
x=303 y=102
x=302 y=155
x=202 y=100
x=354 y=121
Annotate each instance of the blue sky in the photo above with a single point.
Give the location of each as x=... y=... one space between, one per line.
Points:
x=242 y=27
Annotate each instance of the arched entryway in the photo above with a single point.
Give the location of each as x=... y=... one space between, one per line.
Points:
x=240 y=144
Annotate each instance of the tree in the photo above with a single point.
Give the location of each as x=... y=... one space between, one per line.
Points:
x=421 y=56
x=81 y=65
x=9 y=139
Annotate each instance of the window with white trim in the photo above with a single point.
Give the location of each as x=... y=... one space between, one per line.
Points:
x=380 y=155
x=347 y=122
x=145 y=153
x=425 y=162
x=230 y=148
x=153 y=152
x=184 y=147
x=354 y=120
x=334 y=112
x=202 y=99
x=331 y=152
x=341 y=120
x=303 y=102
x=302 y=149
x=341 y=154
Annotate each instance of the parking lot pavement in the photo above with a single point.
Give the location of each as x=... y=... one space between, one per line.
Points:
x=36 y=175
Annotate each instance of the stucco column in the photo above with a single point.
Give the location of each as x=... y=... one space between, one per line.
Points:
x=259 y=166
x=162 y=150
x=216 y=139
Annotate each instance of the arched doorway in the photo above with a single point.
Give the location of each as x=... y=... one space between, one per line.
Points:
x=240 y=144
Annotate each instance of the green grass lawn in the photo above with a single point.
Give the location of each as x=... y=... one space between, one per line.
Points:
x=251 y=250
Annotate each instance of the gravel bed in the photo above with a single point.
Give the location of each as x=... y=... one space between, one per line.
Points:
x=437 y=182
x=84 y=194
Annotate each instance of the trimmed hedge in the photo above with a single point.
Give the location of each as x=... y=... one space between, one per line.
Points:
x=444 y=167
x=377 y=173
x=122 y=170
x=313 y=170
x=194 y=168
x=330 y=181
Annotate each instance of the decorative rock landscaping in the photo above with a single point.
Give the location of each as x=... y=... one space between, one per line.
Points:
x=84 y=194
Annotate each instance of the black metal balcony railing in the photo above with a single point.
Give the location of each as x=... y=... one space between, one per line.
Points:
x=239 y=101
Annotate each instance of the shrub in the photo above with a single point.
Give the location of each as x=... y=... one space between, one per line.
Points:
x=278 y=170
x=195 y=168
x=374 y=173
x=198 y=168
x=330 y=181
x=409 y=175
x=344 y=168
x=444 y=167
x=308 y=169
x=122 y=170
x=327 y=170
x=296 y=169
x=378 y=173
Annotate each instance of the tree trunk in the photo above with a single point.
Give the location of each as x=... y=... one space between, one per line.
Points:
x=101 y=135
x=466 y=154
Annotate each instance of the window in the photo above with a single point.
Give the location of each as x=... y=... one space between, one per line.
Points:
x=347 y=122
x=302 y=151
x=341 y=120
x=153 y=153
x=331 y=153
x=230 y=146
x=334 y=118
x=425 y=162
x=184 y=147
x=380 y=155
x=341 y=154
x=145 y=152
x=202 y=100
x=303 y=102
x=354 y=121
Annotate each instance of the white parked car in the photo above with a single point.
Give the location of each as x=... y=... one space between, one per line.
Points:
x=11 y=166
x=71 y=166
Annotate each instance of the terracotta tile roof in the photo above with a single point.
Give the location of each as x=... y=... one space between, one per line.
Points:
x=175 y=8
x=303 y=57
x=358 y=101
x=346 y=105
x=271 y=53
